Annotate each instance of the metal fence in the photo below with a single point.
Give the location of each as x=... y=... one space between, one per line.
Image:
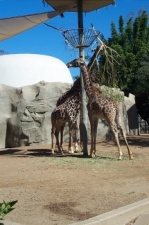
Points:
x=143 y=126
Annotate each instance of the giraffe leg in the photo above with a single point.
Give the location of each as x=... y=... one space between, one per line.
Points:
x=92 y=128
x=57 y=141
x=75 y=139
x=118 y=120
x=61 y=143
x=93 y=123
x=92 y=140
x=124 y=136
x=95 y=134
x=76 y=146
x=52 y=140
x=115 y=133
x=70 y=139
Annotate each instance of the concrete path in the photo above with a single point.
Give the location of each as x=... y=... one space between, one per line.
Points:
x=123 y=215
x=133 y=214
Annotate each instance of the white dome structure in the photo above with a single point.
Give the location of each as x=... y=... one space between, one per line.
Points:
x=19 y=70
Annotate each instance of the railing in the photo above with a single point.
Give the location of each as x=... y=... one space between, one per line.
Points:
x=143 y=126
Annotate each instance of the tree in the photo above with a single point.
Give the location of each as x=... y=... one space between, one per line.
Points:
x=131 y=41
x=142 y=76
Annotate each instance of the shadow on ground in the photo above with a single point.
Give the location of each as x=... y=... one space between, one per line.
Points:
x=141 y=141
x=38 y=151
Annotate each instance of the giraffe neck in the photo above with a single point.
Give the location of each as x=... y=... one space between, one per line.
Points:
x=69 y=93
x=73 y=103
x=88 y=85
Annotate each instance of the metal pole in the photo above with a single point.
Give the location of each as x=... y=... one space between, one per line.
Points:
x=83 y=122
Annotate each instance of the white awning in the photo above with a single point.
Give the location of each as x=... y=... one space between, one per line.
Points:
x=10 y=27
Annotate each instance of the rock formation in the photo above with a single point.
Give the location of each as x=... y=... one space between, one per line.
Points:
x=26 y=112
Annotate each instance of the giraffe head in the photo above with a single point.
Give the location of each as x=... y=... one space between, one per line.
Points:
x=76 y=63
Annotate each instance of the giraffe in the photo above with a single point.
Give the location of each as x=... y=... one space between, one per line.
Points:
x=70 y=92
x=66 y=112
x=75 y=87
x=100 y=106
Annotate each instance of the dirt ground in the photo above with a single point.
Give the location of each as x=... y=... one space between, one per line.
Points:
x=61 y=190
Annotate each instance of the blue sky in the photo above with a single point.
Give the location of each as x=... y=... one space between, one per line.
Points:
x=44 y=40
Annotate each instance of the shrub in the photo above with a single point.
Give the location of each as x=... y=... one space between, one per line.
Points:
x=113 y=93
x=6 y=207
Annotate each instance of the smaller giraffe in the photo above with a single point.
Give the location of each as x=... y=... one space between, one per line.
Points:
x=75 y=87
x=100 y=106
x=66 y=112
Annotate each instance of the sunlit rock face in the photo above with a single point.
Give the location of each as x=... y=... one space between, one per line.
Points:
x=19 y=70
x=25 y=117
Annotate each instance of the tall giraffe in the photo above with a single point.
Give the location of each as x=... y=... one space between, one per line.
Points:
x=66 y=112
x=100 y=106
x=75 y=87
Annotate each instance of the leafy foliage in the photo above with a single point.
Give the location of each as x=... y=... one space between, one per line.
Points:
x=131 y=41
x=113 y=93
x=6 y=207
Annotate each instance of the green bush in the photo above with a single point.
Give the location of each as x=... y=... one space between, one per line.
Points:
x=114 y=93
x=6 y=207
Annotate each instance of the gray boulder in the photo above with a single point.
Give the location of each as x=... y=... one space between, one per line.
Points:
x=26 y=114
